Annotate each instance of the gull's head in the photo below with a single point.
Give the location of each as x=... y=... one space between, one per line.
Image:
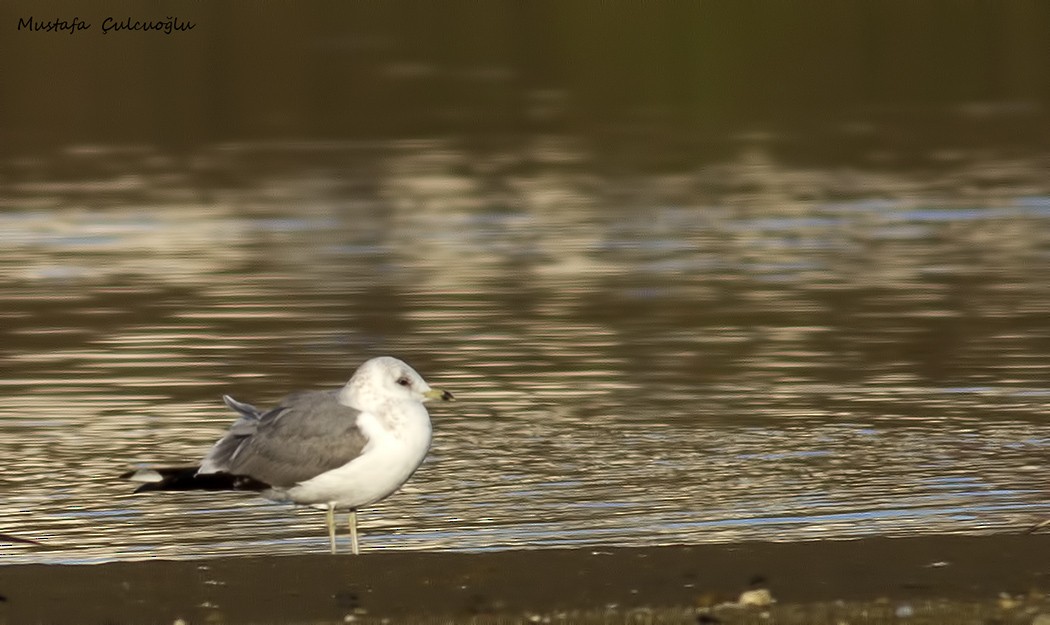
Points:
x=385 y=379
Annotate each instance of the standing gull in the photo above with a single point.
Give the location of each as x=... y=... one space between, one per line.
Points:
x=336 y=450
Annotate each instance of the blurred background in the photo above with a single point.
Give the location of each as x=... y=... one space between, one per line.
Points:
x=696 y=272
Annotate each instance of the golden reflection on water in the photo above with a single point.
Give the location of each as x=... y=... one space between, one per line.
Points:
x=629 y=375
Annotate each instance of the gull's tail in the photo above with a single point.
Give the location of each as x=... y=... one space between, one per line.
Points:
x=188 y=478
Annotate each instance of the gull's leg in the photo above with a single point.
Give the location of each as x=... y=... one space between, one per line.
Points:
x=330 y=522
x=353 y=532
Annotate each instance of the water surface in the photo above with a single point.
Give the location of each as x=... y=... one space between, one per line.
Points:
x=712 y=356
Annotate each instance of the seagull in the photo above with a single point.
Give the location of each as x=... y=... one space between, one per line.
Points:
x=335 y=450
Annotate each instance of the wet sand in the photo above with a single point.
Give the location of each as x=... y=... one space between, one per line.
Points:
x=875 y=578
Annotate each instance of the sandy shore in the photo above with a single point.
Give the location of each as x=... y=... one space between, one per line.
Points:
x=894 y=578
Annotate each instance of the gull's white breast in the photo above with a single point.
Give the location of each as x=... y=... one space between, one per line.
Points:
x=394 y=451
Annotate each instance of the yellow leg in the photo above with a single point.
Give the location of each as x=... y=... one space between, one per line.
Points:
x=330 y=522
x=353 y=532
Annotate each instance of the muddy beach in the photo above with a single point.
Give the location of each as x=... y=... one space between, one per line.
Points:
x=1000 y=578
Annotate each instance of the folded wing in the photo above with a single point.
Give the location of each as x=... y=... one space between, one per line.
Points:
x=303 y=436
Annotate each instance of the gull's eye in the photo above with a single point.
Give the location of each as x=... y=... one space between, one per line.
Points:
x=404 y=382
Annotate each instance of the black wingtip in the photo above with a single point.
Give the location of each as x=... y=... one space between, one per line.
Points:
x=188 y=478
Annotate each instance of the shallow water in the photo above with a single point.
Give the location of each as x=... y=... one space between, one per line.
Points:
x=667 y=366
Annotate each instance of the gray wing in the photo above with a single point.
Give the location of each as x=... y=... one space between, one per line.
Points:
x=305 y=435
x=218 y=458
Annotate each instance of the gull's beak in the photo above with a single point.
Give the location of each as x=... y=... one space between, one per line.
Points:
x=436 y=393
